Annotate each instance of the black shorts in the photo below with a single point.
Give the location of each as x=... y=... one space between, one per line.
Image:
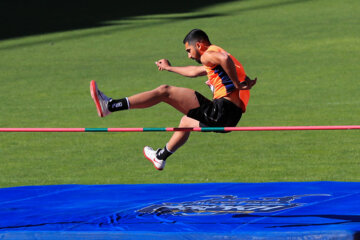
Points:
x=217 y=113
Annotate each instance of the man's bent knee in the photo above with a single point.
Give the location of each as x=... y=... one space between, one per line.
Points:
x=164 y=90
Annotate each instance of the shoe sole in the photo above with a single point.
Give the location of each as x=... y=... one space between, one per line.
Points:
x=160 y=169
x=93 y=92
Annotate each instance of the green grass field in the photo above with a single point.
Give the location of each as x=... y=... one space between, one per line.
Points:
x=305 y=54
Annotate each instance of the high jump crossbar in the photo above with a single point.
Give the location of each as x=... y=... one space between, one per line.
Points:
x=175 y=129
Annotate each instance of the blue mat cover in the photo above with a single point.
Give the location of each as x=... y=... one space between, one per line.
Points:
x=285 y=210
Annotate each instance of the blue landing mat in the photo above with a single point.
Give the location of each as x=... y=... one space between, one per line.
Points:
x=285 y=210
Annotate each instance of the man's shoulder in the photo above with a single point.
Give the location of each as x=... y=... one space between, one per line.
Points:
x=209 y=53
x=215 y=48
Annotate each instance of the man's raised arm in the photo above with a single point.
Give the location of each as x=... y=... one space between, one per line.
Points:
x=187 y=71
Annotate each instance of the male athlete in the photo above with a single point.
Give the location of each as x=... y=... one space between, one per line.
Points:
x=226 y=78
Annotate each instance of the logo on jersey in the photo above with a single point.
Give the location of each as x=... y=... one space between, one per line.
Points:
x=226 y=204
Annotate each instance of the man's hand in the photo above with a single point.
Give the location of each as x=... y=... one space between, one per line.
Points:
x=163 y=64
x=247 y=84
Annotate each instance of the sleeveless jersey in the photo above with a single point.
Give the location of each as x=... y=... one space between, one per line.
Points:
x=221 y=84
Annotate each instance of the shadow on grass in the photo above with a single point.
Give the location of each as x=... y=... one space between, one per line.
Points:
x=21 y=18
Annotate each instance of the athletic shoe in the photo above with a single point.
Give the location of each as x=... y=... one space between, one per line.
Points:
x=100 y=99
x=150 y=154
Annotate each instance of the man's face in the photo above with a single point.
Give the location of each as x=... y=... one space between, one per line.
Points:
x=193 y=52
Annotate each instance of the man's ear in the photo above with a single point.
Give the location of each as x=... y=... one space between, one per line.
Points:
x=200 y=46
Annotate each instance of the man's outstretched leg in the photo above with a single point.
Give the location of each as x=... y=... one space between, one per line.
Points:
x=182 y=99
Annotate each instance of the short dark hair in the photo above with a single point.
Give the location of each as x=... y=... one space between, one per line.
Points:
x=196 y=35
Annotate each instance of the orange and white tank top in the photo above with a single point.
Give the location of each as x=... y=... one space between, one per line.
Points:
x=221 y=84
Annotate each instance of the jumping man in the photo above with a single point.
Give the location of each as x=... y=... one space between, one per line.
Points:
x=226 y=78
